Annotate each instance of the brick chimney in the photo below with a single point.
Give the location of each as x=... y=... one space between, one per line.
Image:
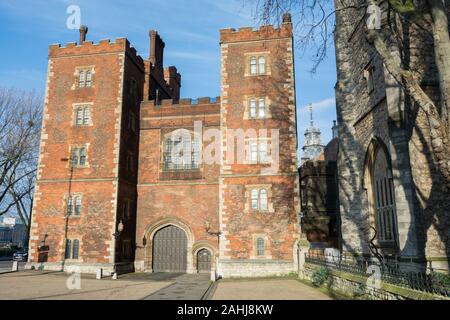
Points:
x=83 y=32
x=287 y=18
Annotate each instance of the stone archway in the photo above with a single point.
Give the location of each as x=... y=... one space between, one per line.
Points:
x=169 y=250
x=153 y=230
x=378 y=182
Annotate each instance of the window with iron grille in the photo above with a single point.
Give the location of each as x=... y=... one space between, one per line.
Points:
x=181 y=153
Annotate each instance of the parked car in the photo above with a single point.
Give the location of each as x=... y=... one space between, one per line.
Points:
x=21 y=255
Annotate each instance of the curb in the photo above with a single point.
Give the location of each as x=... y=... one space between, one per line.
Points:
x=209 y=293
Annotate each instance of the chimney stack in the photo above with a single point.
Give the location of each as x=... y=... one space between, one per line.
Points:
x=83 y=32
x=287 y=18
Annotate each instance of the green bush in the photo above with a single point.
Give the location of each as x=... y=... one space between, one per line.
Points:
x=442 y=278
x=360 y=290
x=320 y=276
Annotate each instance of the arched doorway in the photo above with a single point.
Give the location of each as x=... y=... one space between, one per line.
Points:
x=203 y=261
x=381 y=196
x=384 y=200
x=170 y=250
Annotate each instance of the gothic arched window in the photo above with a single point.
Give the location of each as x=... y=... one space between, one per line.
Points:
x=381 y=195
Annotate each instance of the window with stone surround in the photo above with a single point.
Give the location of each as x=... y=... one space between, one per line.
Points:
x=181 y=151
x=259 y=198
x=79 y=156
x=82 y=115
x=84 y=77
x=257 y=64
x=74 y=205
x=260 y=247
x=72 y=250
x=257 y=108
x=258 y=151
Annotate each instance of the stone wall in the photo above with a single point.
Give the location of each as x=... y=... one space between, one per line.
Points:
x=357 y=287
x=240 y=225
x=387 y=116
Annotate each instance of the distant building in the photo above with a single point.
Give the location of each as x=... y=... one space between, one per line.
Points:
x=12 y=233
x=313 y=146
x=319 y=198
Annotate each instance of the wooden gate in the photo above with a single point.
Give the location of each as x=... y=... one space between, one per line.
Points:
x=170 y=250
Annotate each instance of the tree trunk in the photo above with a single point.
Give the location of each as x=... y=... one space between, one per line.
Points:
x=439 y=134
x=442 y=52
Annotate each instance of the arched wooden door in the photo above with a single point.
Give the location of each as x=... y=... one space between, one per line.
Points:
x=170 y=250
x=384 y=197
x=204 y=261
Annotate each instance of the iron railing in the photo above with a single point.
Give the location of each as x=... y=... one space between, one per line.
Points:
x=428 y=281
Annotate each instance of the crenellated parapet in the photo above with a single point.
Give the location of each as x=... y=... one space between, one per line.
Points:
x=267 y=32
x=119 y=45
x=205 y=109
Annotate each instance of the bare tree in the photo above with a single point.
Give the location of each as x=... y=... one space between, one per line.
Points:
x=20 y=121
x=314 y=30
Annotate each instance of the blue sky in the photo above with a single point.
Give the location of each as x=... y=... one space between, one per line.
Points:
x=190 y=30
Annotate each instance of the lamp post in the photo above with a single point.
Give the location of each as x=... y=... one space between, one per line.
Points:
x=116 y=236
x=66 y=215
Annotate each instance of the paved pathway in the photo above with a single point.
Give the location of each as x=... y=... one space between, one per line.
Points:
x=185 y=287
x=31 y=285
x=270 y=289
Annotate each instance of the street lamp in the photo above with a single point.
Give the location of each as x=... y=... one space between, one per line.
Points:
x=66 y=216
x=116 y=236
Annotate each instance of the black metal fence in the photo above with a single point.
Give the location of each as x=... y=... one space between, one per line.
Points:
x=389 y=272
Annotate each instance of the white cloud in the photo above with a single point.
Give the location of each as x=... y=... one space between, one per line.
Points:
x=320 y=105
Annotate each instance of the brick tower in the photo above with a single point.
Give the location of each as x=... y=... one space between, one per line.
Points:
x=258 y=185
x=86 y=181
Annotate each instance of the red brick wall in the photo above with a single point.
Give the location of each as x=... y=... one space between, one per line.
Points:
x=98 y=182
x=239 y=224
x=190 y=201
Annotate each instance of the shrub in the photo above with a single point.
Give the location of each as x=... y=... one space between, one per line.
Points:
x=360 y=290
x=320 y=276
